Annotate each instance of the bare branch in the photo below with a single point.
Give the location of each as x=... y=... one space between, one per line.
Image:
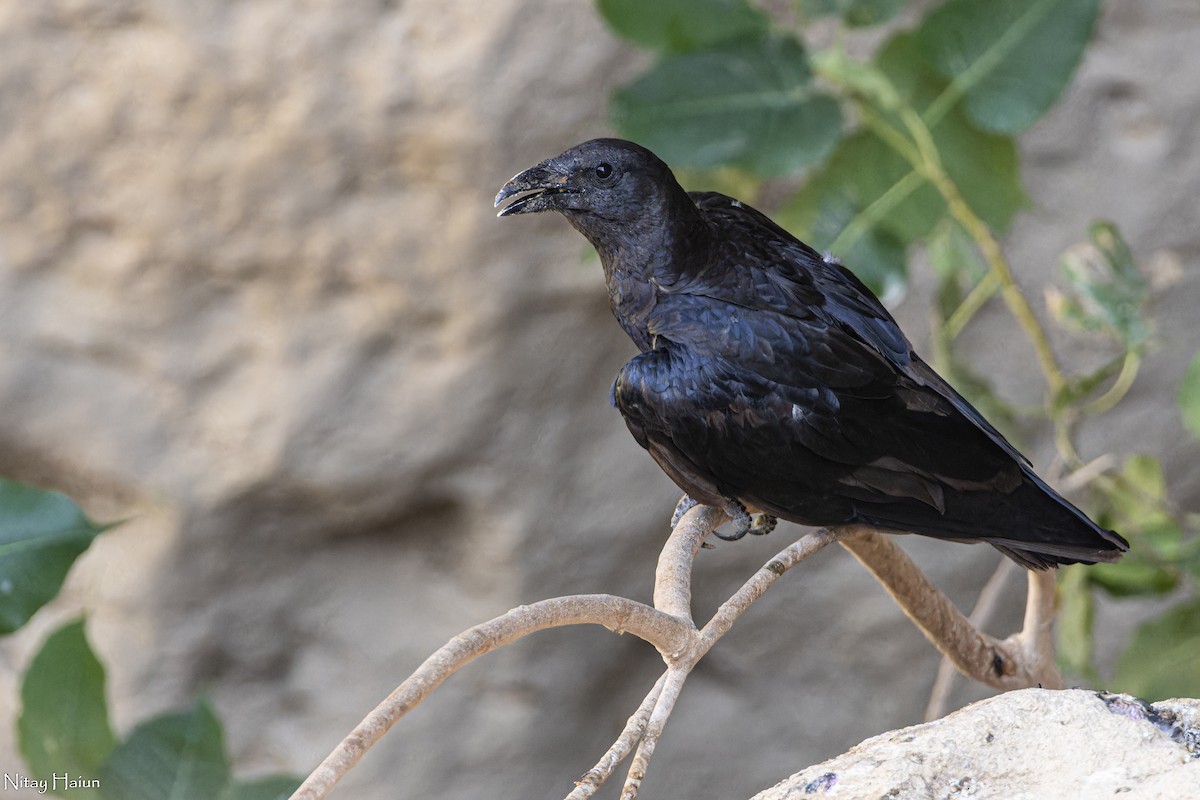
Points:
x=673 y=576
x=770 y=572
x=635 y=727
x=985 y=607
x=1024 y=659
x=654 y=728
x=1015 y=663
x=1036 y=639
x=618 y=614
x=686 y=547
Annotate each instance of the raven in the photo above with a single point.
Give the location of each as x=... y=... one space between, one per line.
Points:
x=772 y=383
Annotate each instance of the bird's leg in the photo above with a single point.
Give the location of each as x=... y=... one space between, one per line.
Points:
x=685 y=504
x=744 y=522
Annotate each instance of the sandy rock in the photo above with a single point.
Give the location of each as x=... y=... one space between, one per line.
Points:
x=1025 y=745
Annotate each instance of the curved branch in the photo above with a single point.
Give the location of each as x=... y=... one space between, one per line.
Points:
x=1023 y=660
x=618 y=614
x=985 y=607
x=673 y=575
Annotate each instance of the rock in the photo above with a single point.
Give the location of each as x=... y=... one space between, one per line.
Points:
x=1025 y=745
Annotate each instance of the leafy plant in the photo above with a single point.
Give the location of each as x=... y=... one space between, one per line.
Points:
x=41 y=535
x=63 y=730
x=914 y=149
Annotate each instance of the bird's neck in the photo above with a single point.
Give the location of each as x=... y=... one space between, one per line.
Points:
x=656 y=254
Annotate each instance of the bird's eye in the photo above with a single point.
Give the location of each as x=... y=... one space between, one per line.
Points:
x=604 y=171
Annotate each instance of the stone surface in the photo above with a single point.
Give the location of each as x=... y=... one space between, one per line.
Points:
x=1025 y=745
x=253 y=297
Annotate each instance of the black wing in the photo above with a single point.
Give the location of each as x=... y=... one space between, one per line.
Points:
x=778 y=379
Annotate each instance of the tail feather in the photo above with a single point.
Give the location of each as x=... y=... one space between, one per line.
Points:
x=1034 y=525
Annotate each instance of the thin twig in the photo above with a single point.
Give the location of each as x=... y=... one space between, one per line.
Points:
x=1087 y=473
x=770 y=572
x=618 y=614
x=975 y=300
x=635 y=728
x=686 y=546
x=985 y=607
x=675 y=677
x=1125 y=378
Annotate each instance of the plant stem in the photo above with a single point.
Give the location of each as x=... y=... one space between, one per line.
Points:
x=975 y=300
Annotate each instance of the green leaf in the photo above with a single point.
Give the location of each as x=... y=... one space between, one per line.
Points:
x=63 y=728
x=1145 y=473
x=866 y=181
x=1137 y=506
x=1132 y=577
x=682 y=25
x=275 y=787
x=1161 y=660
x=180 y=756
x=41 y=535
x=1104 y=290
x=1010 y=59
x=886 y=193
x=873 y=170
x=829 y=201
x=855 y=13
x=1076 y=622
x=1189 y=396
x=983 y=165
x=748 y=103
x=985 y=168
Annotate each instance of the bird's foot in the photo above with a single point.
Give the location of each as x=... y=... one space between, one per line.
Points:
x=744 y=522
x=685 y=504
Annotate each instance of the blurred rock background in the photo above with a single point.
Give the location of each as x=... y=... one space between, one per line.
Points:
x=254 y=299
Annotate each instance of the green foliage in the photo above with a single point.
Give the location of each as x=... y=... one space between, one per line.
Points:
x=274 y=787
x=41 y=535
x=1189 y=396
x=678 y=26
x=855 y=13
x=1010 y=60
x=1076 y=622
x=63 y=727
x=922 y=156
x=178 y=755
x=747 y=102
x=836 y=195
x=1162 y=660
x=1105 y=292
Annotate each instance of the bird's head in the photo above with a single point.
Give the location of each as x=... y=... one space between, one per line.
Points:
x=599 y=185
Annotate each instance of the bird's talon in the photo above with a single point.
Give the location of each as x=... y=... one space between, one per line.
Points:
x=685 y=504
x=743 y=523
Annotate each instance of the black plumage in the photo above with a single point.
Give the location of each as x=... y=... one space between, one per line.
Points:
x=771 y=379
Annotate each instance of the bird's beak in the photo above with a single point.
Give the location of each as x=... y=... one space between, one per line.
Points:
x=543 y=183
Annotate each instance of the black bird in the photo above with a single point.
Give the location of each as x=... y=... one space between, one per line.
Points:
x=771 y=380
